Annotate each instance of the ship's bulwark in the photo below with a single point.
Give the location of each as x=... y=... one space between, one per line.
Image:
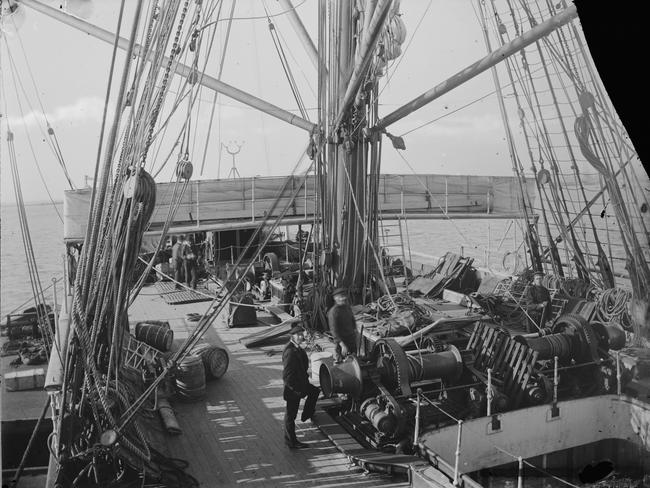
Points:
x=248 y=200
x=580 y=422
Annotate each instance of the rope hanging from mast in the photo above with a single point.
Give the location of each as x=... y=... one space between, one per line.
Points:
x=285 y=65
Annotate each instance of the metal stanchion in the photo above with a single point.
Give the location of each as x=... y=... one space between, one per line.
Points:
x=618 y=374
x=56 y=311
x=489 y=392
x=555 y=379
x=417 y=419
x=456 y=464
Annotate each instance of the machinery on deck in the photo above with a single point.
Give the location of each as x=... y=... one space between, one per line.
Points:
x=491 y=372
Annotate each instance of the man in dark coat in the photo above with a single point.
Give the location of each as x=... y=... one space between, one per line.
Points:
x=342 y=325
x=538 y=301
x=296 y=386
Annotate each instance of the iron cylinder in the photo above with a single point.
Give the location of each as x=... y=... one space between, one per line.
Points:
x=446 y=364
x=345 y=377
x=549 y=346
x=381 y=419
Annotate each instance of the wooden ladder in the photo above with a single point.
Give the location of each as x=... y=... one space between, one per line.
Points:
x=392 y=237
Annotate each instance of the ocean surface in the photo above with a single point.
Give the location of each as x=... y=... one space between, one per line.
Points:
x=46 y=231
x=426 y=237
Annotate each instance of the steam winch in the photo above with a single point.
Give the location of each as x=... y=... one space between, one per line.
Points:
x=376 y=382
x=390 y=366
x=381 y=389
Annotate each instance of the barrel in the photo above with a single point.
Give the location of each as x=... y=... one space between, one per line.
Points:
x=161 y=323
x=155 y=335
x=190 y=379
x=215 y=360
x=317 y=358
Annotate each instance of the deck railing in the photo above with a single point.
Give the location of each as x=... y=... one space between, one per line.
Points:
x=232 y=203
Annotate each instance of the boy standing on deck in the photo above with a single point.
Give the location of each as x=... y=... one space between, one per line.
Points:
x=296 y=386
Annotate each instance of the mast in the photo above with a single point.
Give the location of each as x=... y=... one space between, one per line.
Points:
x=349 y=228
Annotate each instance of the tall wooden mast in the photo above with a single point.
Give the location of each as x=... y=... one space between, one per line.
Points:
x=349 y=227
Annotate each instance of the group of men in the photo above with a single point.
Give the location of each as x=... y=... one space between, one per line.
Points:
x=343 y=328
x=184 y=261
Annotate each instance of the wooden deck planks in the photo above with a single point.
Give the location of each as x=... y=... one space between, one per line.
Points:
x=235 y=435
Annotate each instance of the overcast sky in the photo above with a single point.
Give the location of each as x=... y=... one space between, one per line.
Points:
x=69 y=70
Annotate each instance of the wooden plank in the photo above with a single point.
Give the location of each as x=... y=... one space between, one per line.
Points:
x=477 y=328
x=258 y=339
x=512 y=361
x=478 y=342
x=484 y=348
x=502 y=350
x=526 y=378
x=424 y=285
x=278 y=312
x=496 y=341
x=515 y=370
x=501 y=366
x=495 y=349
x=521 y=369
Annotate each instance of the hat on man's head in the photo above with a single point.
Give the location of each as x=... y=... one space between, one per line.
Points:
x=538 y=273
x=296 y=329
x=340 y=291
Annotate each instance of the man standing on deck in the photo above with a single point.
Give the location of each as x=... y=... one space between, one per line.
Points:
x=178 y=260
x=296 y=386
x=342 y=325
x=538 y=301
x=190 y=263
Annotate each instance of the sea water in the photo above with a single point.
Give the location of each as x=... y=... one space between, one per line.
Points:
x=46 y=230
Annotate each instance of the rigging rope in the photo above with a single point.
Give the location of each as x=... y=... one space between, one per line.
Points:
x=285 y=65
x=35 y=282
x=16 y=83
x=54 y=142
x=216 y=93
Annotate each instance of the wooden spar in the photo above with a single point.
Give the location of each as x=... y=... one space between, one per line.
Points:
x=342 y=198
x=300 y=31
x=480 y=66
x=180 y=69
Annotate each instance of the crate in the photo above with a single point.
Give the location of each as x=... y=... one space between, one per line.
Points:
x=26 y=379
x=455 y=297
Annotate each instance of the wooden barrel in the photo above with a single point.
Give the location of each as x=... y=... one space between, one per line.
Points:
x=215 y=360
x=190 y=379
x=155 y=335
x=161 y=323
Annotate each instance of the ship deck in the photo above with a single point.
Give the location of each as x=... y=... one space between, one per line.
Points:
x=235 y=434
